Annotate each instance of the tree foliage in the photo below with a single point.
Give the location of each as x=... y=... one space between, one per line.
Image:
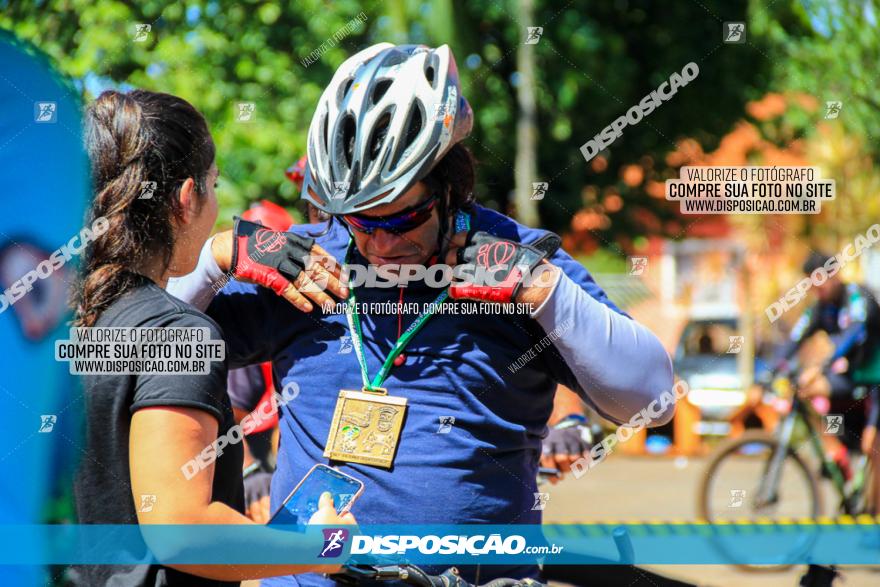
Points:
x=594 y=61
x=830 y=50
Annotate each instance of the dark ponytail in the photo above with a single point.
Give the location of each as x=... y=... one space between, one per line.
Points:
x=139 y=143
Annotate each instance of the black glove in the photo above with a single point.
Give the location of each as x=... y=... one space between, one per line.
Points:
x=568 y=437
x=257 y=482
x=271 y=258
x=499 y=265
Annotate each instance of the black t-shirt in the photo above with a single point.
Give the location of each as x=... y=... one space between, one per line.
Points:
x=103 y=485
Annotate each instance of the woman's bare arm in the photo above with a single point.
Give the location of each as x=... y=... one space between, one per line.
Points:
x=163 y=438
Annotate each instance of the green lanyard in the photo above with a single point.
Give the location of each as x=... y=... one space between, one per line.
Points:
x=354 y=325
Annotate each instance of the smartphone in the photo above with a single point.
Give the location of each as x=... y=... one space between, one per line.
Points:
x=303 y=500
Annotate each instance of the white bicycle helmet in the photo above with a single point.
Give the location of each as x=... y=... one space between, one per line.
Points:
x=388 y=116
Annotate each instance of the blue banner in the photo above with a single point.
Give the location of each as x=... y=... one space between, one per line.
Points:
x=583 y=544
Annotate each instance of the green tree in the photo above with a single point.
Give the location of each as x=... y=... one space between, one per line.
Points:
x=593 y=62
x=214 y=55
x=829 y=50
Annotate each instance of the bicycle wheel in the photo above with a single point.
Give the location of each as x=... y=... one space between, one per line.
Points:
x=730 y=488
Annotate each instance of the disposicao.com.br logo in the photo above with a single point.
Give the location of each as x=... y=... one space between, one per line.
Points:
x=475 y=545
x=334 y=542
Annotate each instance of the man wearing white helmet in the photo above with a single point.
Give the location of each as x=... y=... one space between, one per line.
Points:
x=385 y=161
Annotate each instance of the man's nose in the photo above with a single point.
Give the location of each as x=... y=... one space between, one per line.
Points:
x=385 y=241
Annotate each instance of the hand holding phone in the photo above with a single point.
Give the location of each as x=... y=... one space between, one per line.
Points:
x=307 y=502
x=326 y=514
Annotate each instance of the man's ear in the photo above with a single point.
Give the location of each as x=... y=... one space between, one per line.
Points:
x=188 y=200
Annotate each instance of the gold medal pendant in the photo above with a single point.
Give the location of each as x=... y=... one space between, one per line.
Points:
x=366 y=427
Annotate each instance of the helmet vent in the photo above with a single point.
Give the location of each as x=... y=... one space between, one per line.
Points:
x=345 y=88
x=349 y=128
x=429 y=75
x=414 y=127
x=380 y=89
x=380 y=131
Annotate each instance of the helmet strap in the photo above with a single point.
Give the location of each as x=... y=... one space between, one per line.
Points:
x=447 y=219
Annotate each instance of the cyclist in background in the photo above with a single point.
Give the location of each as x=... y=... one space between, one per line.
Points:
x=850 y=315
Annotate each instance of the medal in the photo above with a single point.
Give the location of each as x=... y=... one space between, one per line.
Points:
x=366 y=428
x=367 y=424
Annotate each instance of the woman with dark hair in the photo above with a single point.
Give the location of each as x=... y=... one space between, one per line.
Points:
x=154 y=173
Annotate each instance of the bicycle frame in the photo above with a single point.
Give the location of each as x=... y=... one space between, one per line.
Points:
x=800 y=411
x=808 y=414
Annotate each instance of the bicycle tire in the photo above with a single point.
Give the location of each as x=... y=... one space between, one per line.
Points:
x=732 y=447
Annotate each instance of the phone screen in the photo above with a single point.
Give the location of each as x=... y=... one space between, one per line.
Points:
x=303 y=502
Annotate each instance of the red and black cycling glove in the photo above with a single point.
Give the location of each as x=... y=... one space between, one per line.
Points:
x=499 y=265
x=271 y=258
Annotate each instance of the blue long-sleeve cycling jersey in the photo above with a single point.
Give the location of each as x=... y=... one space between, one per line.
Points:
x=468 y=367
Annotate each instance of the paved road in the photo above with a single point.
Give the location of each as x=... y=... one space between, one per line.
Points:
x=644 y=488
